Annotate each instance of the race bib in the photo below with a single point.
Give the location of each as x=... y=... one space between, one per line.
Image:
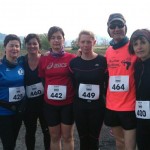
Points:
x=89 y=91
x=142 y=109
x=35 y=90
x=16 y=93
x=56 y=92
x=119 y=83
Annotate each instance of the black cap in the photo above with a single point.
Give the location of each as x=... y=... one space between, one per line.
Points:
x=114 y=17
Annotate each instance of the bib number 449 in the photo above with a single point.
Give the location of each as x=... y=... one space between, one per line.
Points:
x=88 y=95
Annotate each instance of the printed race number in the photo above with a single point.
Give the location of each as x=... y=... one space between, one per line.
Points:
x=56 y=95
x=16 y=93
x=89 y=91
x=17 y=97
x=141 y=113
x=142 y=109
x=88 y=95
x=36 y=93
x=56 y=92
x=119 y=83
x=118 y=87
x=35 y=90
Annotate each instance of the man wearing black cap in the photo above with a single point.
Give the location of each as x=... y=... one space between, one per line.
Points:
x=120 y=99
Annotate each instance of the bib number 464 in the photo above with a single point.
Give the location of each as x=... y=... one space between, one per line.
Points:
x=118 y=87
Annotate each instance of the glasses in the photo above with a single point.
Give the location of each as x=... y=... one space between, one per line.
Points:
x=113 y=26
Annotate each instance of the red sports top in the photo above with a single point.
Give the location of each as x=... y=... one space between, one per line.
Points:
x=58 y=88
x=121 y=88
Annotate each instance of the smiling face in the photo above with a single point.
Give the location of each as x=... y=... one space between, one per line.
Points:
x=12 y=50
x=142 y=48
x=57 y=41
x=33 y=46
x=117 y=30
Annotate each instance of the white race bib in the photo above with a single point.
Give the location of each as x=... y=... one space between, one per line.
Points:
x=89 y=91
x=35 y=90
x=56 y=92
x=16 y=93
x=119 y=83
x=142 y=109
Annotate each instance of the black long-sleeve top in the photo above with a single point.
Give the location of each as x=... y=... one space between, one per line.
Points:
x=142 y=82
x=142 y=79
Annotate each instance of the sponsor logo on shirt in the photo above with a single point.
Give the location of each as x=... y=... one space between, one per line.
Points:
x=96 y=65
x=115 y=62
x=127 y=63
x=7 y=69
x=56 y=65
x=21 y=71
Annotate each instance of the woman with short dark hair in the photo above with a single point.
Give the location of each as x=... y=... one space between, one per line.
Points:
x=12 y=91
x=35 y=94
x=140 y=46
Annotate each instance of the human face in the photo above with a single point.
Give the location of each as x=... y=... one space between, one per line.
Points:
x=142 y=48
x=117 y=31
x=12 y=50
x=86 y=43
x=57 y=41
x=33 y=46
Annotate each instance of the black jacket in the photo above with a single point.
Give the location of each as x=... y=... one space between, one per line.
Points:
x=142 y=79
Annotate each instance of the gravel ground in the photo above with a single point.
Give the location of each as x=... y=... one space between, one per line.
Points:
x=106 y=140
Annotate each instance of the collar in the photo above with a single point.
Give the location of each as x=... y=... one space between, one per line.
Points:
x=123 y=42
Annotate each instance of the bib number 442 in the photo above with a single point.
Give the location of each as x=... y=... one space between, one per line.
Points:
x=56 y=95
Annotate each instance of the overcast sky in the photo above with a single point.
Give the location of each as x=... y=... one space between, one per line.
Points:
x=37 y=16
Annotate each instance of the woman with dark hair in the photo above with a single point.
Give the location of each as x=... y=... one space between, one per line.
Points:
x=12 y=91
x=58 y=91
x=35 y=94
x=140 y=46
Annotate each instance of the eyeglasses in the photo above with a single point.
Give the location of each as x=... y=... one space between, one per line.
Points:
x=113 y=26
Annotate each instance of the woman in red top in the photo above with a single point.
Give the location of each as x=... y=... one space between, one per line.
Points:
x=59 y=91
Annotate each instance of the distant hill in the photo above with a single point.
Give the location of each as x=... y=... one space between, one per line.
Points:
x=100 y=40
